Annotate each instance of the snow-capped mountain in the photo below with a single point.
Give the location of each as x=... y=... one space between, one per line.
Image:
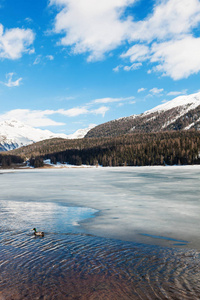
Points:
x=187 y=103
x=181 y=113
x=80 y=133
x=15 y=134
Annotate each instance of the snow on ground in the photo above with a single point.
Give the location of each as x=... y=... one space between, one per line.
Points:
x=65 y=165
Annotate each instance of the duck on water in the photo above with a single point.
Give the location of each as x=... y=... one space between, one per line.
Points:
x=38 y=233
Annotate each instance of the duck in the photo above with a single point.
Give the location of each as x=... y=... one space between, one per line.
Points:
x=38 y=233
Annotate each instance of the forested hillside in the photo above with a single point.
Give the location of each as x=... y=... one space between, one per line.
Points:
x=162 y=148
x=181 y=113
x=9 y=160
x=170 y=120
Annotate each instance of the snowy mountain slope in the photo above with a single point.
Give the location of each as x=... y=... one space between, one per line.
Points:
x=80 y=133
x=187 y=103
x=14 y=134
x=181 y=113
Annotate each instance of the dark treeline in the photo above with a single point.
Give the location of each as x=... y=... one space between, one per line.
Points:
x=166 y=148
x=36 y=162
x=9 y=160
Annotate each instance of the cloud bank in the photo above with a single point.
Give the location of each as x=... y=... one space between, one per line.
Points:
x=42 y=118
x=111 y=100
x=91 y=25
x=166 y=38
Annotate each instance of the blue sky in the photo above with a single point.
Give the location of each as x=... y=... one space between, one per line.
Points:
x=66 y=64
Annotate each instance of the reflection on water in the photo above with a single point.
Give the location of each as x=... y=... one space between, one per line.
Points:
x=49 y=217
x=70 y=263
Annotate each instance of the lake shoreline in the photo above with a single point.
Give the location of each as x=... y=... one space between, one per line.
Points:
x=68 y=166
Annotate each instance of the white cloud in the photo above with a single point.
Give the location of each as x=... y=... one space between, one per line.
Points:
x=156 y=91
x=134 y=66
x=148 y=96
x=31 y=51
x=175 y=50
x=92 y=26
x=141 y=90
x=50 y=57
x=73 y=112
x=35 y=118
x=178 y=59
x=65 y=98
x=77 y=111
x=14 y=42
x=111 y=100
x=29 y=20
x=117 y=68
x=177 y=93
x=165 y=37
x=10 y=82
x=137 y=53
x=37 y=60
x=170 y=18
x=41 y=118
x=120 y=104
x=100 y=111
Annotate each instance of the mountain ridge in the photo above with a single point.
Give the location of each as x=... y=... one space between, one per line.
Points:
x=180 y=113
x=15 y=134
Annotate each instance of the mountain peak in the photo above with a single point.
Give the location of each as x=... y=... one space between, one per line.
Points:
x=181 y=113
x=188 y=101
x=14 y=134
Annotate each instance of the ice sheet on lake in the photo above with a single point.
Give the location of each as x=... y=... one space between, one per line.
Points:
x=158 y=205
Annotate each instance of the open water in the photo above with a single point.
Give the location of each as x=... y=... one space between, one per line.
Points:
x=110 y=233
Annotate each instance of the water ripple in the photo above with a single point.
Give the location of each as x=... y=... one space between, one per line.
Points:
x=93 y=268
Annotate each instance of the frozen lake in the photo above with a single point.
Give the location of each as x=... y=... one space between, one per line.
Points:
x=156 y=205
x=137 y=229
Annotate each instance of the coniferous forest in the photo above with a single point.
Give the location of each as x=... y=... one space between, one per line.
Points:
x=9 y=160
x=177 y=148
x=163 y=148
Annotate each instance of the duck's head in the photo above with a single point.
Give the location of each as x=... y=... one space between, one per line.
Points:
x=34 y=229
